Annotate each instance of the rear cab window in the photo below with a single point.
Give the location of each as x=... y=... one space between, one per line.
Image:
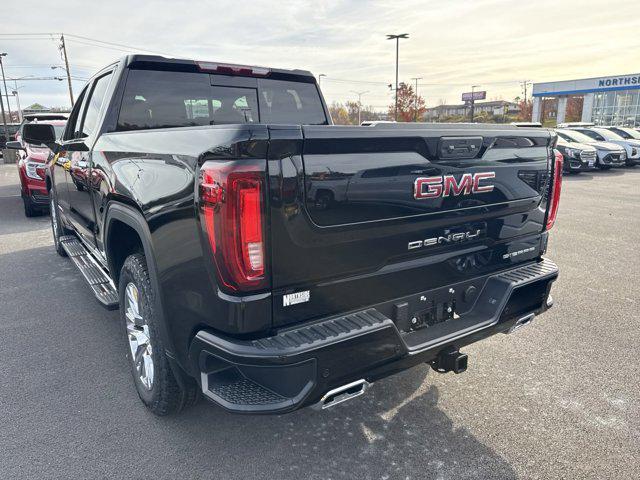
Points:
x=165 y=99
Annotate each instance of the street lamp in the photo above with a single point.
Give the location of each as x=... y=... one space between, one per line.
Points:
x=473 y=87
x=397 y=39
x=359 y=94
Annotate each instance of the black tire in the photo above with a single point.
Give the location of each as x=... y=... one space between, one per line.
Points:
x=165 y=395
x=57 y=228
x=29 y=209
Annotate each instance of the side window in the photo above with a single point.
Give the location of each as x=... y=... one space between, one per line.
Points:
x=73 y=124
x=159 y=99
x=93 y=106
x=592 y=134
x=290 y=103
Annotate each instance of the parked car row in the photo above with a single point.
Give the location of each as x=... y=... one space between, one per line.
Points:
x=32 y=163
x=587 y=147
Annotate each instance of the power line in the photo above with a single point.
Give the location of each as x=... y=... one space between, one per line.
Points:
x=77 y=38
x=121 y=45
x=81 y=42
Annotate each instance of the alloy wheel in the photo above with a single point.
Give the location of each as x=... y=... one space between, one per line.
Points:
x=138 y=336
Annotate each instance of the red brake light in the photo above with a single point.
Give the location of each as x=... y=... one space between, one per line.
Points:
x=556 y=186
x=233 y=69
x=232 y=206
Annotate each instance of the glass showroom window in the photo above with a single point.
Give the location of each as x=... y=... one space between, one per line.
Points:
x=617 y=108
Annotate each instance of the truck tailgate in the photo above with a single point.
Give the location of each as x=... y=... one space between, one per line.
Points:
x=361 y=215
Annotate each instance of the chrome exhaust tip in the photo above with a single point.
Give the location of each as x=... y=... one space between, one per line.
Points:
x=549 y=301
x=521 y=322
x=342 y=394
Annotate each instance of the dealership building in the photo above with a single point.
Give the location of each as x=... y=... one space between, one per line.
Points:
x=611 y=100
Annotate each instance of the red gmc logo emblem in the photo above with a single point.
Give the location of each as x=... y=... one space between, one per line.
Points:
x=443 y=186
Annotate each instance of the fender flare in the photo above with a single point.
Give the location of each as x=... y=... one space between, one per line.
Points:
x=134 y=219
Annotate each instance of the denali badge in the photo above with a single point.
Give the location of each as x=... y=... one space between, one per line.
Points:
x=443 y=186
x=450 y=238
x=295 y=298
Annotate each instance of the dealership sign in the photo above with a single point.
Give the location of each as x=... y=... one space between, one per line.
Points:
x=619 y=81
x=468 y=96
x=587 y=85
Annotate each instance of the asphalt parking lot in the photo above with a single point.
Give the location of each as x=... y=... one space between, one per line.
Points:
x=558 y=399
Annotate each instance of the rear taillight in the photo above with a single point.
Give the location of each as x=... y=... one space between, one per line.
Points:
x=232 y=209
x=556 y=186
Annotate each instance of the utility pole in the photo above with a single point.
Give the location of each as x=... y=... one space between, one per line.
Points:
x=359 y=94
x=525 y=84
x=4 y=82
x=397 y=39
x=4 y=117
x=63 y=48
x=473 y=87
x=415 y=116
x=320 y=80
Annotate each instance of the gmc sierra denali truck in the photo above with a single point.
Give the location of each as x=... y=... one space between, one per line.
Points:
x=187 y=195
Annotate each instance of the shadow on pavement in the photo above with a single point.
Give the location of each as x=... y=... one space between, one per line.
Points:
x=392 y=432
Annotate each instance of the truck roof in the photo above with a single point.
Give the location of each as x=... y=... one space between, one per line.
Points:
x=223 y=68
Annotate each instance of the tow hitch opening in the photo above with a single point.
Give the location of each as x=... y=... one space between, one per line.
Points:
x=450 y=360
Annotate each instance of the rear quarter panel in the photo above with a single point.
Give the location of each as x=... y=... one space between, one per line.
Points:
x=155 y=173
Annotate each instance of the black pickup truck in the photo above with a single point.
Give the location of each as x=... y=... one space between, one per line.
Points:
x=270 y=260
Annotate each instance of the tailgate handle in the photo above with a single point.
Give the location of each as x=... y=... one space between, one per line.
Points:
x=459 y=147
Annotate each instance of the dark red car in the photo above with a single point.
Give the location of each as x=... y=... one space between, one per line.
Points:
x=31 y=166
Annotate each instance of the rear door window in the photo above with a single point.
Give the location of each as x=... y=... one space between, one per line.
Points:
x=158 y=99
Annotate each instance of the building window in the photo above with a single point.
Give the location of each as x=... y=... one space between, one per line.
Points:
x=548 y=111
x=617 y=108
x=574 y=108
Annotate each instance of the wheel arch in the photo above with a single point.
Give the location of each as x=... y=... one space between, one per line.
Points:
x=123 y=214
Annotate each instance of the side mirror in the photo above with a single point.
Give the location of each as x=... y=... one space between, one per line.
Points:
x=39 y=134
x=14 y=145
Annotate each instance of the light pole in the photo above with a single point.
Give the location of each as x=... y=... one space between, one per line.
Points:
x=320 y=79
x=397 y=39
x=359 y=94
x=415 y=116
x=473 y=87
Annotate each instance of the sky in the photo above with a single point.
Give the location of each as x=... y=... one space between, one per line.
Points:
x=452 y=44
